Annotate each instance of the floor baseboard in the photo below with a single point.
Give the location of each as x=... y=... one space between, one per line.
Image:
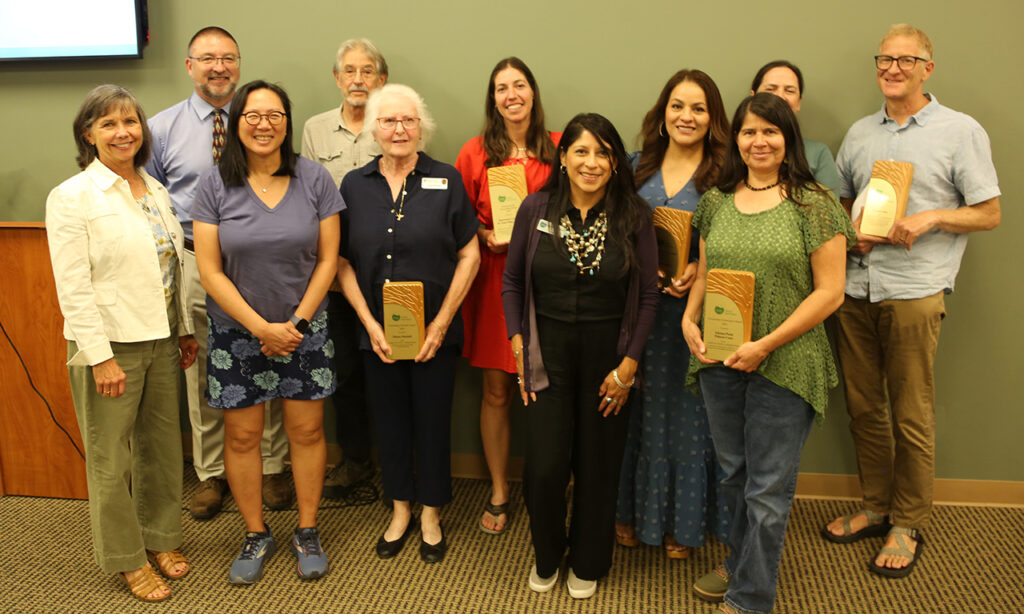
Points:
x=817 y=485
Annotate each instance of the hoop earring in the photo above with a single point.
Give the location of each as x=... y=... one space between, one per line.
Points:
x=563 y=169
x=661 y=128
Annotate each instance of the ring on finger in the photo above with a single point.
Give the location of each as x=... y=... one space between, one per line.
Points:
x=609 y=400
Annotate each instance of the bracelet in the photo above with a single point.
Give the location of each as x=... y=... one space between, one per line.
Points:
x=618 y=382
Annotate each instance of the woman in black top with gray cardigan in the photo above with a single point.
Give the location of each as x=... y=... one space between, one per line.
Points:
x=580 y=291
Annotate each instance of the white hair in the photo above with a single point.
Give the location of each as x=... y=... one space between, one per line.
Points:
x=396 y=90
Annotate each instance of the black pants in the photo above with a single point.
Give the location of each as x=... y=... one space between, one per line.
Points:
x=349 y=399
x=412 y=409
x=566 y=433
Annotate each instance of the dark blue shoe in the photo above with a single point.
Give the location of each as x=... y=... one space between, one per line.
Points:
x=312 y=562
x=256 y=551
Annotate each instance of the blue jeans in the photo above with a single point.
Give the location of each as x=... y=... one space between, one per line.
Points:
x=759 y=429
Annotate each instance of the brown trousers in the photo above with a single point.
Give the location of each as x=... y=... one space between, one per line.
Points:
x=887 y=351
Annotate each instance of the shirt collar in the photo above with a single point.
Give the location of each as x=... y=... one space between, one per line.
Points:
x=341 y=119
x=202 y=108
x=424 y=164
x=922 y=115
x=102 y=176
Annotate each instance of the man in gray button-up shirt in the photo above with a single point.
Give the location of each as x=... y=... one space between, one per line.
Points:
x=889 y=323
x=339 y=141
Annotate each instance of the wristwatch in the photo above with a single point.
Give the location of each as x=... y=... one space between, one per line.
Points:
x=300 y=324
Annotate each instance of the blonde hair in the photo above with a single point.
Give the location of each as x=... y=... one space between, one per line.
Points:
x=903 y=29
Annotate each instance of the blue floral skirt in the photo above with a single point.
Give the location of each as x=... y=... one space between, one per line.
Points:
x=239 y=375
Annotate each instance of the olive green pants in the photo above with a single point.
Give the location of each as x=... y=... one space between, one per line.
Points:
x=133 y=458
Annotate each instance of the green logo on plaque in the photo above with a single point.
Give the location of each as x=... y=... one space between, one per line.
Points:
x=501 y=199
x=719 y=310
x=396 y=317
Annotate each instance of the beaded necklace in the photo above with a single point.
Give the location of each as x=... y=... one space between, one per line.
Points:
x=582 y=246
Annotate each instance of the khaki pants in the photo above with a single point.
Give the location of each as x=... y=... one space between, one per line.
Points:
x=132 y=453
x=887 y=351
x=207 y=422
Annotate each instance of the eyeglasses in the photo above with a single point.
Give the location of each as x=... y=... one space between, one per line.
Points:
x=253 y=118
x=351 y=72
x=905 y=62
x=387 y=124
x=210 y=60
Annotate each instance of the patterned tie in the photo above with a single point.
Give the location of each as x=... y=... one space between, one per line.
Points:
x=218 y=134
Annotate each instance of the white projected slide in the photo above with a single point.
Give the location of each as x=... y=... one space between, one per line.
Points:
x=67 y=28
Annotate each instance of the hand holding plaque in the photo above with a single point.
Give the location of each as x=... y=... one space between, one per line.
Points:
x=673 y=228
x=728 y=312
x=886 y=200
x=403 y=318
x=507 y=188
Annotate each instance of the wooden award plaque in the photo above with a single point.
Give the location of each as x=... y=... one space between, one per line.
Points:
x=728 y=311
x=403 y=318
x=886 y=199
x=507 y=185
x=673 y=227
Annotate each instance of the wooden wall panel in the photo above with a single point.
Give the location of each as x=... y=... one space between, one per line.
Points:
x=36 y=457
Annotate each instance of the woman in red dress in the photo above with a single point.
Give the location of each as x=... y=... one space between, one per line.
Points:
x=514 y=134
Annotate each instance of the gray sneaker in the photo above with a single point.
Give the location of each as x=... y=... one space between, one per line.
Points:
x=256 y=551
x=712 y=586
x=312 y=562
x=344 y=476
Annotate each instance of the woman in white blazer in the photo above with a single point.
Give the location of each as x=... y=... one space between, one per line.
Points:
x=114 y=244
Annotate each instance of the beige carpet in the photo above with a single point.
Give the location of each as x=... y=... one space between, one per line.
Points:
x=973 y=562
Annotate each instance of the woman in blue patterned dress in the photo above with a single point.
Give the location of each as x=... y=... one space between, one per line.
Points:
x=668 y=484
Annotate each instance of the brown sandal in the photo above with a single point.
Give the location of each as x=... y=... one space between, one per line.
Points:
x=675 y=550
x=627 y=537
x=167 y=561
x=145 y=583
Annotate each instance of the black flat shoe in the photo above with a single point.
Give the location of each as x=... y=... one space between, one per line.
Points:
x=435 y=553
x=386 y=549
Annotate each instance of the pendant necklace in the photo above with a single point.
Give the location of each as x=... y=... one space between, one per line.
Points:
x=401 y=203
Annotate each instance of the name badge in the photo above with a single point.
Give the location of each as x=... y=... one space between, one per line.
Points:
x=545 y=227
x=434 y=183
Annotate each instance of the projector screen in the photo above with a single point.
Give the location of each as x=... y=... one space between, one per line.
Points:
x=71 y=29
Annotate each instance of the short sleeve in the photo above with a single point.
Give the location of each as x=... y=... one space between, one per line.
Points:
x=706 y=209
x=464 y=222
x=844 y=166
x=823 y=219
x=328 y=198
x=209 y=197
x=973 y=172
x=466 y=163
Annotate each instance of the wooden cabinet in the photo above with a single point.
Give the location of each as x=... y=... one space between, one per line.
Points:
x=38 y=454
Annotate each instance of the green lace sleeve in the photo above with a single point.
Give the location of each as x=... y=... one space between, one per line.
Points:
x=706 y=209
x=824 y=218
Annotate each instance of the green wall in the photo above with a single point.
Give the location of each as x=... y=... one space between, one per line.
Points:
x=613 y=58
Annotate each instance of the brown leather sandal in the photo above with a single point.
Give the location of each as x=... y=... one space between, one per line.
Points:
x=675 y=550
x=626 y=538
x=145 y=583
x=167 y=561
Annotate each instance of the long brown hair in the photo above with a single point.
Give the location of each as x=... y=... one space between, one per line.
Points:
x=497 y=145
x=795 y=175
x=655 y=140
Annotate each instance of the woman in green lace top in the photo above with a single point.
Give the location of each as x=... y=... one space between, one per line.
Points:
x=767 y=216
